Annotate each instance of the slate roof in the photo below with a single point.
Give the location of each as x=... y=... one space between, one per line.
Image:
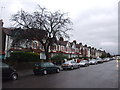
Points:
x=77 y=45
x=64 y=43
x=7 y=31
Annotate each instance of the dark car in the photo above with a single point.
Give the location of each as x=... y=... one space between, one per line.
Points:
x=8 y=72
x=45 y=68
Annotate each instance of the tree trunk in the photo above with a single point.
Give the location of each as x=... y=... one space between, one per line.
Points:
x=46 y=52
x=47 y=56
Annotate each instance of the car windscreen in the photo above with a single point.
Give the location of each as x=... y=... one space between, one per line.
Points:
x=83 y=61
x=98 y=59
x=51 y=64
x=93 y=60
x=46 y=64
x=37 y=64
x=73 y=62
x=66 y=62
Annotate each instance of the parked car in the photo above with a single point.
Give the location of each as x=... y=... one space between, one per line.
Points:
x=84 y=63
x=92 y=61
x=112 y=59
x=70 y=65
x=45 y=68
x=8 y=72
x=99 y=60
x=106 y=59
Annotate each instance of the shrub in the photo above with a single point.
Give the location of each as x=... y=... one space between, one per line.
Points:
x=58 y=59
x=24 y=56
x=103 y=56
x=84 y=58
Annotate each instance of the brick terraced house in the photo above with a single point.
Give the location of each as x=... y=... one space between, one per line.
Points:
x=70 y=49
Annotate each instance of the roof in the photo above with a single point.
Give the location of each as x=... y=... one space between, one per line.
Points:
x=77 y=45
x=71 y=44
x=32 y=33
x=8 y=31
x=64 y=43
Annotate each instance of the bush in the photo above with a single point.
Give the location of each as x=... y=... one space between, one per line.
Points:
x=84 y=58
x=103 y=56
x=58 y=59
x=24 y=56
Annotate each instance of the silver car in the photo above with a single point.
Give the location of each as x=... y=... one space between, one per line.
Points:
x=92 y=61
x=70 y=65
x=84 y=63
x=99 y=60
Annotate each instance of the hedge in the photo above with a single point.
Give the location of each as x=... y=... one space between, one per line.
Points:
x=58 y=59
x=24 y=57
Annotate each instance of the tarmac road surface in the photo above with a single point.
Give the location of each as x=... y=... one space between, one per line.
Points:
x=103 y=75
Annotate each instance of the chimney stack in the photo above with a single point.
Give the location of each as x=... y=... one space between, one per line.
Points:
x=61 y=39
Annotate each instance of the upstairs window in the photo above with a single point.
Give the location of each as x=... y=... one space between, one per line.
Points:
x=35 y=45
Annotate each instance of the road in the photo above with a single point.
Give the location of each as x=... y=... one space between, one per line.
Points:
x=95 y=76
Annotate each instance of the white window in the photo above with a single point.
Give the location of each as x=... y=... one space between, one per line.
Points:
x=56 y=47
x=41 y=46
x=28 y=45
x=35 y=45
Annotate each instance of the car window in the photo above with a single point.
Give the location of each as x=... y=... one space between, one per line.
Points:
x=82 y=61
x=37 y=64
x=44 y=65
x=72 y=61
x=51 y=64
x=66 y=62
x=47 y=64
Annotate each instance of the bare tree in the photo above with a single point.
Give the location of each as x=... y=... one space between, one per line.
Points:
x=55 y=24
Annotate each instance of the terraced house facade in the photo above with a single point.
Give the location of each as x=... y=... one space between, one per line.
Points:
x=70 y=49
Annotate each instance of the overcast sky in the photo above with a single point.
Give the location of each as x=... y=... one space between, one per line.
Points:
x=95 y=22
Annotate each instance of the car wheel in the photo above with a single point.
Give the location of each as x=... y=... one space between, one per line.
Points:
x=45 y=72
x=72 y=68
x=57 y=70
x=14 y=76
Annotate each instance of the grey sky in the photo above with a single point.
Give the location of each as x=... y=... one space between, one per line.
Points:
x=95 y=22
